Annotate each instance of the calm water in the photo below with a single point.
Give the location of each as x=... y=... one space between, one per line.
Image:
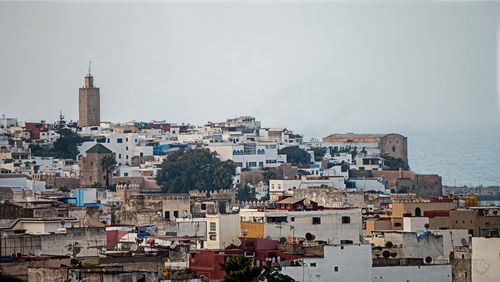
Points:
x=461 y=158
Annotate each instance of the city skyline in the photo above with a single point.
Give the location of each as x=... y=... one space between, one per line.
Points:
x=322 y=73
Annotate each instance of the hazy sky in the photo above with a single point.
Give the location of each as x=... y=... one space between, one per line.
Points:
x=318 y=68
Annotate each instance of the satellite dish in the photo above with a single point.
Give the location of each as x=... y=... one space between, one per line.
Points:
x=309 y=236
x=426 y=226
x=133 y=248
x=386 y=254
x=464 y=242
x=389 y=244
x=244 y=232
x=307 y=202
x=394 y=254
x=428 y=260
x=38 y=252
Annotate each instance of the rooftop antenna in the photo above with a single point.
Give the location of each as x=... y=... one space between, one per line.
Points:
x=90 y=64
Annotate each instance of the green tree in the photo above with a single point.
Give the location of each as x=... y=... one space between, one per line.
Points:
x=66 y=146
x=268 y=175
x=272 y=274
x=194 y=169
x=319 y=153
x=245 y=193
x=39 y=151
x=394 y=163
x=241 y=269
x=296 y=155
x=107 y=165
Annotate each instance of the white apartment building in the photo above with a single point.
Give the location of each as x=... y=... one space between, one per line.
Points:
x=354 y=263
x=336 y=226
x=339 y=263
x=49 y=136
x=249 y=154
x=124 y=145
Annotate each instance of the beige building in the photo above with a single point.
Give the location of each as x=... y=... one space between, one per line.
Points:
x=394 y=145
x=89 y=103
x=485 y=259
x=91 y=170
x=176 y=206
x=222 y=230
x=418 y=208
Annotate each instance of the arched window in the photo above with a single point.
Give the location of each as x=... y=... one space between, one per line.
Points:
x=418 y=212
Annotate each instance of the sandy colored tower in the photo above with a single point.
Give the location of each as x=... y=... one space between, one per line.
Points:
x=89 y=103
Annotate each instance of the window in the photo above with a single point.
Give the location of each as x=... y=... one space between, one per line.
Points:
x=346 y=219
x=397 y=224
x=126 y=148
x=313 y=264
x=126 y=139
x=204 y=207
x=126 y=157
x=119 y=156
x=463 y=256
x=346 y=242
x=167 y=214
x=316 y=220
x=141 y=154
x=394 y=148
x=125 y=174
x=213 y=237
x=176 y=214
x=213 y=226
x=91 y=163
x=336 y=268
x=292 y=219
x=119 y=140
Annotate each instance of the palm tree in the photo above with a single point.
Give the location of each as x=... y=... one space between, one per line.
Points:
x=107 y=165
x=240 y=268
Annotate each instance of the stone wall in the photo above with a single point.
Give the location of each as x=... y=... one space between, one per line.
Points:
x=76 y=242
x=331 y=197
x=19 y=268
x=460 y=260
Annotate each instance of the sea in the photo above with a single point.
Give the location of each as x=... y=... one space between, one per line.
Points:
x=462 y=158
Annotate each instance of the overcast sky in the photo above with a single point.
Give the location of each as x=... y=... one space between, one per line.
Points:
x=318 y=68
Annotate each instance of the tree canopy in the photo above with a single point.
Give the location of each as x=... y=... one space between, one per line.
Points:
x=194 y=169
x=319 y=153
x=107 y=165
x=296 y=155
x=66 y=147
x=394 y=163
x=240 y=268
x=245 y=193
